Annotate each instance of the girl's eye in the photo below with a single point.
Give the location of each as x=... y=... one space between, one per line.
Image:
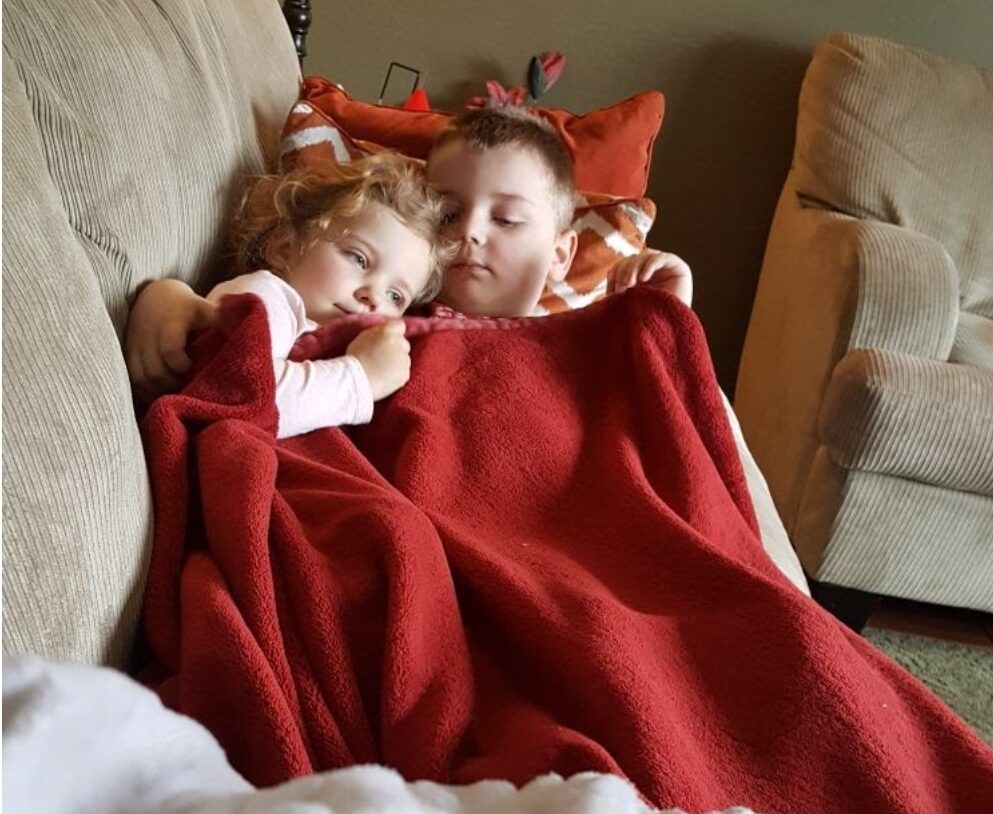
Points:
x=504 y=222
x=357 y=258
x=449 y=218
x=396 y=297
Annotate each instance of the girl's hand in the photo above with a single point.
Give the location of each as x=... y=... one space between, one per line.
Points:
x=164 y=315
x=661 y=269
x=384 y=353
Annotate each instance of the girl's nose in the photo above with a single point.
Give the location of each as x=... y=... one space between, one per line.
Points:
x=368 y=298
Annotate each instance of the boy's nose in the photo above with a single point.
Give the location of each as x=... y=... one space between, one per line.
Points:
x=473 y=230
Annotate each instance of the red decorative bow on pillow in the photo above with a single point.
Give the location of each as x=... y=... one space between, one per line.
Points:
x=543 y=71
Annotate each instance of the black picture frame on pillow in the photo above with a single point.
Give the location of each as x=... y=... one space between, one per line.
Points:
x=297 y=14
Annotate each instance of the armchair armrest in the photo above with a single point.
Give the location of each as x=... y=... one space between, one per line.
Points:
x=901 y=415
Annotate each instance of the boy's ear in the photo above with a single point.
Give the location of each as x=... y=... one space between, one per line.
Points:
x=565 y=251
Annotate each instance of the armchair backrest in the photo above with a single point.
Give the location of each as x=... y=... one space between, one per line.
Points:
x=895 y=134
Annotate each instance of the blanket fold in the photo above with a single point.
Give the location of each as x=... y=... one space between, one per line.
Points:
x=540 y=556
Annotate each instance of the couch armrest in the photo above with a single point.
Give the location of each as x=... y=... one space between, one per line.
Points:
x=914 y=418
x=830 y=282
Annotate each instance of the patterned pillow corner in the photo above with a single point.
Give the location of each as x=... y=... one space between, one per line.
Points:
x=608 y=229
x=310 y=136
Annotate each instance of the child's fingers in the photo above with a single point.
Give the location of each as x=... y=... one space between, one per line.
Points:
x=149 y=384
x=612 y=282
x=134 y=364
x=625 y=274
x=135 y=343
x=157 y=378
x=394 y=327
x=649 y=266
x=399 y=343
x=662 y=261
x=632 y=275
x=160 y=364
x=204 y=317
x=393 y=332
x=387 y=338
x=172 y=344
x=138 y=373
x=674 y=262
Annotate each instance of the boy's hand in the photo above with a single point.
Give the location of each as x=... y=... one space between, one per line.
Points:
x=384 y=353
x=164 y=315
x=662 y=269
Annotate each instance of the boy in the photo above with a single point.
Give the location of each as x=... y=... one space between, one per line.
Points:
x=508 y=181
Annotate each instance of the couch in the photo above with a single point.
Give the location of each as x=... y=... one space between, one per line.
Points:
x=124 y=134
x=124 y=125
x=866 y=382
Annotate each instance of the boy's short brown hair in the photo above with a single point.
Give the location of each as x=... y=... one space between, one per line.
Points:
x=488 y=127
x=284 y=215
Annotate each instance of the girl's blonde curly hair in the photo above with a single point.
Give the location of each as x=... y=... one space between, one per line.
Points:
x=285 y=215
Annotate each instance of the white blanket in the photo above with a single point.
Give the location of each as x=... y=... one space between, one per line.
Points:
x=79 y=739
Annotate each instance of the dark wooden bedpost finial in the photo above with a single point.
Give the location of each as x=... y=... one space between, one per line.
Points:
x=297 y=14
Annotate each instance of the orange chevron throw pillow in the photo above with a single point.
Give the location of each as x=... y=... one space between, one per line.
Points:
x=609 y=228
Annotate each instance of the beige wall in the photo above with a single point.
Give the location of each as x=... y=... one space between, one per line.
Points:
x=730 y=72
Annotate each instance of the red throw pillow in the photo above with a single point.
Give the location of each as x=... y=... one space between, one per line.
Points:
x=611 y=148
x=609 y=227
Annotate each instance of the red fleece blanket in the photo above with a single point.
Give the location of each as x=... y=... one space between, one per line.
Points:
x=539 y=556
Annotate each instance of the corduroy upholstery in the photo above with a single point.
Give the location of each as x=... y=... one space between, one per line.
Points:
x=125 y=125
x=866 y=383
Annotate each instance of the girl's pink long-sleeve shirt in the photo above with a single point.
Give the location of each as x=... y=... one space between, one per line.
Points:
x=309 y=395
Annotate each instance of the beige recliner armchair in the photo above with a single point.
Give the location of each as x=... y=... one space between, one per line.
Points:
x=866 y=383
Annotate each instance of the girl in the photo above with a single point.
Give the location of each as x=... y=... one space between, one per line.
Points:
x=320 y=243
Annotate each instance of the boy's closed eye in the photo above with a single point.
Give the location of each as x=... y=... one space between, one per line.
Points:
x=510 y=215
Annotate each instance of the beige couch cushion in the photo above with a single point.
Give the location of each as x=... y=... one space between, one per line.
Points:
x=126 y=125
x=973 y=341
x=76 y=510
x=147 y=112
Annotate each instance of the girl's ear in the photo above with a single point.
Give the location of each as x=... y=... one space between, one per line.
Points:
x=275 y=256
x=565 y=251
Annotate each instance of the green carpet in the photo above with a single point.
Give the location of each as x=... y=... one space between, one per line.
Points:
x=960 y=674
